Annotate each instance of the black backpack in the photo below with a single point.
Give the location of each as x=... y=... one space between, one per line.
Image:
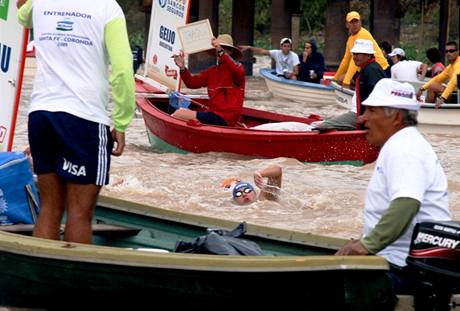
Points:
x=221 y=242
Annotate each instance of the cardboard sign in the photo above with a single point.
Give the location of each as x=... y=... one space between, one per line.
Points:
x=196 y=37
x=13 y=41
x=163 y=41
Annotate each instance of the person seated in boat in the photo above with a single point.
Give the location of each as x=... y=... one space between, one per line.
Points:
x=408 y=184
x=434 y=56
x=347 y=68
x=225 y=82
x=286 y=61
x=385 y=46
x=404 y=69
x=244 y=193
x=312 y=66
x=370 y=73
x=435 y=87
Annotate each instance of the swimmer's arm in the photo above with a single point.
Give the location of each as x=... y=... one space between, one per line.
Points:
x=274 y=174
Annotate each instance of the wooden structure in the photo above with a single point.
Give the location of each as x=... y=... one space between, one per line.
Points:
x=384 y=22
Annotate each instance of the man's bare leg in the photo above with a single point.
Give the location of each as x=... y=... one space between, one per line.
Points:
x=184 y=114
x=52 y=205
x=81 y=201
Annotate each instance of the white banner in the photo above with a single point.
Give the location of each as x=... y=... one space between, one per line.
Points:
x=13 y=39
x=163 y=41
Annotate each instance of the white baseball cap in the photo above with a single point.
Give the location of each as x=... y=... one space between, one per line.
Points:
x=286 y=40
x=363 y=46
x=397 y=51
x=393 y=94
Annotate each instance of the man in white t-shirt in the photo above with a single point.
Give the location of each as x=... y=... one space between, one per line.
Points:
x=408 y=184
x=287 y=62
x=406 y=70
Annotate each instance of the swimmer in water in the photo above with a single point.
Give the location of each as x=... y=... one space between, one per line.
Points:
x=244 y=193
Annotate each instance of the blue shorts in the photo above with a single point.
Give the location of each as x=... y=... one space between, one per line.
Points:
x=77 y=150
x=210 y=118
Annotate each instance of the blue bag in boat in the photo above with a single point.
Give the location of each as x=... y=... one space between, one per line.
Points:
x=18 y=193
x=177 y=100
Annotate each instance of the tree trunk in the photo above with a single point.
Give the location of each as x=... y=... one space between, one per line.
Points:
x=336 y=33
x=387 y=23
x=243 y=29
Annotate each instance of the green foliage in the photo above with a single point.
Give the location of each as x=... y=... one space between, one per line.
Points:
x=313 y=15
x=225 y=16
x=263 y=17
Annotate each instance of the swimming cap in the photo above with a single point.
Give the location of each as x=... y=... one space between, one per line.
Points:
x=241 y=185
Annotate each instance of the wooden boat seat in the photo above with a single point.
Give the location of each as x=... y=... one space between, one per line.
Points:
x=105 y=230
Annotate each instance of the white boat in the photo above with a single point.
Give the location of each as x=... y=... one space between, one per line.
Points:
x=447 y=115
x=299 y=91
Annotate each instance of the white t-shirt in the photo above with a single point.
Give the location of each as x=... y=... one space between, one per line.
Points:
x=406 y=70
x=72 y=60
x=406 y=167
x=284 y=62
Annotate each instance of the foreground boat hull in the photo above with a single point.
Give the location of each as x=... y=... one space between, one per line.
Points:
x=349 y=146
x=43 y=273
x=299 y=91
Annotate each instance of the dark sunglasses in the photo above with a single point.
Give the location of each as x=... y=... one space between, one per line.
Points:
x=243 y=191
x=451 y=51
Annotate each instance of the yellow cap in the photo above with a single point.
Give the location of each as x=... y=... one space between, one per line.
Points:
x=353 y=15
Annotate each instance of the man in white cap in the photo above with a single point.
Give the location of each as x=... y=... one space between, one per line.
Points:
x=406 y=70
x=408 y=184
x=347 y=68
x=368 y=76
x=286 y=61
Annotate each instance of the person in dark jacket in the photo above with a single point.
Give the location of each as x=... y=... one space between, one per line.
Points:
x=368 y=76
x=311 y=67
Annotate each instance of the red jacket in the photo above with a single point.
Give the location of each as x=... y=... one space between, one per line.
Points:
x=226 y=83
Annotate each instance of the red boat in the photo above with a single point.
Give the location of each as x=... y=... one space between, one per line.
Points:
x=165 y=131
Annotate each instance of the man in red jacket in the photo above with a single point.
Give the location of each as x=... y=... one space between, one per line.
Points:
x=225 y=82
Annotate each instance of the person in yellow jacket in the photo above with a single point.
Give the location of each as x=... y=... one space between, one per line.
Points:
x=348 y=68
x=435 y=86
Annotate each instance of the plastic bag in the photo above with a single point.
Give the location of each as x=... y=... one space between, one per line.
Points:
x=177 y=100
x=221 y=242
x=18 y=193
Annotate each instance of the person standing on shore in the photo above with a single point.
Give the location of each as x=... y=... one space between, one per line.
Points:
x=348 y=68
x=68 y=127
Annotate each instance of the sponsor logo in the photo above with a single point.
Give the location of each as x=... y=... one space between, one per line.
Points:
x=5 y=57
x=65 y=25
x=436 y=240
x=176 y=7
x=402 y=93
x=162 y=3
x=4 y=9
x=3 y=132
x=73 y=169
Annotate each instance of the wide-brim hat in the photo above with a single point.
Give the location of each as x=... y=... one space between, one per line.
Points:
x=393 y=94
x=225 y=40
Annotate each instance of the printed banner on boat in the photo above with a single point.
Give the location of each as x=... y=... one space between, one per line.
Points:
x=12 y=55
x=163 y=41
